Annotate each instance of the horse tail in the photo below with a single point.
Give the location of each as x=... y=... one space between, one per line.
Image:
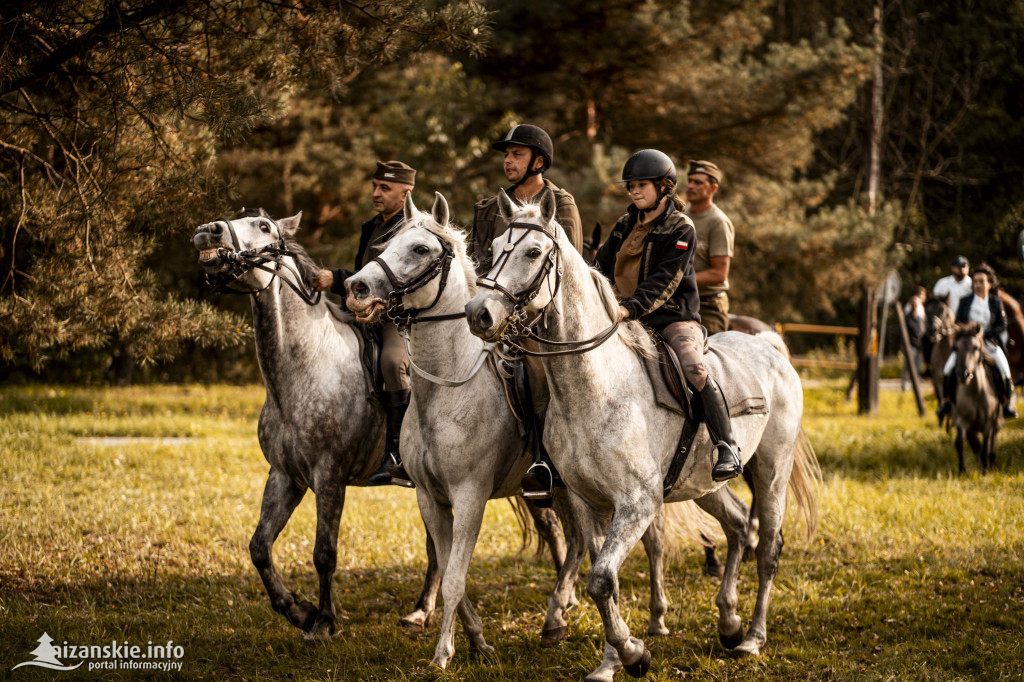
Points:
x=805 y=481
x=524 y=519
x=687 y=524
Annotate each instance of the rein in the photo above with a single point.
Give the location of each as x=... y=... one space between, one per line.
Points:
x=247 y=260
x=519 y=325
x=395 y=308
x=448 y=383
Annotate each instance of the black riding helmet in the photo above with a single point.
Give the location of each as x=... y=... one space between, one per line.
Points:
x=648 y=164
x=533 y=137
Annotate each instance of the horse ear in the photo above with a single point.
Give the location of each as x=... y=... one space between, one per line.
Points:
x=289 y=226
x=505 y=206
x=409 y=210
x=547 y=207
x=440 y=209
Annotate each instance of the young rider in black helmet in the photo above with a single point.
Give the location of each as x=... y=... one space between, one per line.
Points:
x=649 y=259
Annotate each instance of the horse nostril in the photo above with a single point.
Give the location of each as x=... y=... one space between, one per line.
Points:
x=216 y=228
x=484 y=319
x=360 y=289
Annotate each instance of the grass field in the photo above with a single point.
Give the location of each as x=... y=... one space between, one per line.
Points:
x=125 y=515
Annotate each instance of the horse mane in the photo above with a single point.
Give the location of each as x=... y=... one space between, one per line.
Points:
x=452 y=234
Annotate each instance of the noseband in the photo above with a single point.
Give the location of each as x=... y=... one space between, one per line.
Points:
x=440 y=266
x=246 y=260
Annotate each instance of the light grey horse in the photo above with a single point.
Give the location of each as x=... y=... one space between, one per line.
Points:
x=977 y=409
x=613 y=445
x=460 y=442
x=317 y=429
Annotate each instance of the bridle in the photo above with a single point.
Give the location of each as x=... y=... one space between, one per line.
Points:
x=395 y=309
x=519 y=323
x=244 y=261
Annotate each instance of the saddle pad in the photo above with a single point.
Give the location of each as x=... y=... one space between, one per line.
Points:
x=742 y=389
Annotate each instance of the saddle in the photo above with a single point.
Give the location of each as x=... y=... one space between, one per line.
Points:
x=369 y=337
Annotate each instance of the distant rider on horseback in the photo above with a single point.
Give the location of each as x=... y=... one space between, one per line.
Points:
x=988 y=311
x=649 y=260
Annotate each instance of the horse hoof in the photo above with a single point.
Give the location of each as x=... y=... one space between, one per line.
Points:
x=714 y=570
x=744 y=650
x=658 y=630
x=320 y=632
x=732 y=641
x=549 y=637
x=479 y=651
x=306 y=616
x=416 y=620
x=641 y=666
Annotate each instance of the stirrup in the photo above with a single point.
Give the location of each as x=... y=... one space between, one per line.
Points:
x=538 y=482
x=399 y=475
x=725 y=470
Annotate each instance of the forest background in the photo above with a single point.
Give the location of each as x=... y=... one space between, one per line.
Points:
x=126 y=124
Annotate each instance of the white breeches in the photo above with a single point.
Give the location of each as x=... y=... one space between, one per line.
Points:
x=995 y=351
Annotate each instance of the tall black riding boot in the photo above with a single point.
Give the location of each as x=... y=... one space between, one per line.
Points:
x=541 y=479
x=716 y=414
x=948 y=395
x=391 y=470
x=1009 y=411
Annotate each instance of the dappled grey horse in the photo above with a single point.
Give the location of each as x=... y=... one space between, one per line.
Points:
x=460 y=440
x=317 y=428
x=612 y=443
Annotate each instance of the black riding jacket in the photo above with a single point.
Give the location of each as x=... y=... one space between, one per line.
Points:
x=997 y=323
x=375 y=231
x=666 y=290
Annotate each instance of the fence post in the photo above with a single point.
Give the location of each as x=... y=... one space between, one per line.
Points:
x=867 y=356
x=908 y=356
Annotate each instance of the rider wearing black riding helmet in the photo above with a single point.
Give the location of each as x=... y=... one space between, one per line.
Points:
x=649 y=260
x=528 y=154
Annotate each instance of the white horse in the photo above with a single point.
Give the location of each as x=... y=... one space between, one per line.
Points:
x=460 y=440
x=613 y=445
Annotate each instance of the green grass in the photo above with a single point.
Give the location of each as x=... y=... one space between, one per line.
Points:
x=915 y=572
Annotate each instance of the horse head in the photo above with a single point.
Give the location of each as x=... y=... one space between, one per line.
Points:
x=229 y=248
x=526 y=272
x=970 y=350
x=411 y=273
x=939 y=317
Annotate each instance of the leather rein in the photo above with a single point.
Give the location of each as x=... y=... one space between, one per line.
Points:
x=519 y=323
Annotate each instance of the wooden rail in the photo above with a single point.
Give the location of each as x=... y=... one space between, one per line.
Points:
x=815 y=329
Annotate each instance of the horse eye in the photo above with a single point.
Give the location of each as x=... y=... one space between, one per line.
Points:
x=533 y=253
x=265 y=227
x=421 y=249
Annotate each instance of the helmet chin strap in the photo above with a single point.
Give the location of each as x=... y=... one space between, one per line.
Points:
x=662 y=193
x=531 y=171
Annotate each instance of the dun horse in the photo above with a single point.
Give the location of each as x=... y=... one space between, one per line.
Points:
x=977 y=410
x=460 y=441
x=612 y=443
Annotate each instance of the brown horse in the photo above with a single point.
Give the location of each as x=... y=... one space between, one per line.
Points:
x=1015 y=344
x=977 y=410
x=940 y=325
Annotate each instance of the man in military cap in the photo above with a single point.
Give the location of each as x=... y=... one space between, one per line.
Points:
x=528 y=154
x=391 y=182
x=715 y=236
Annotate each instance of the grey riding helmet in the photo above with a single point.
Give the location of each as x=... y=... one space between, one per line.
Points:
x=529 y=136
x=648 y=164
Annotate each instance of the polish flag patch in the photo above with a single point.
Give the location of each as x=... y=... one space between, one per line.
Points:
x=682 y=246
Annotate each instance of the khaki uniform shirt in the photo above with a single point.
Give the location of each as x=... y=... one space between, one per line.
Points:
x=627 y=262
x=488 y=224
x=715 y=235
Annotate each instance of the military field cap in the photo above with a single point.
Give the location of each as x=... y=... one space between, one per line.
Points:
x=395 y=171
x=707 y=168
x=960 y=262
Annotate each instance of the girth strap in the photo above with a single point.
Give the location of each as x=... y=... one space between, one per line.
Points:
x=690 y=427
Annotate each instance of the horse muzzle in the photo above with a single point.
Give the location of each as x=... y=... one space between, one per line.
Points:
x=209 y=242
x=487 y=316
x=366 y=310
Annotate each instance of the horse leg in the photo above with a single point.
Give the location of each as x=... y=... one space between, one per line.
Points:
x=979 y=453
x=330 y=502
x=423 y=611
x=280 y=497
x=546 y=523
x=750 y=546
x=771 y=485
x=629 y=523
x=712 y=565
x=731 y=513
x=563 y=594
x=959 y=442
x=654 y=545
